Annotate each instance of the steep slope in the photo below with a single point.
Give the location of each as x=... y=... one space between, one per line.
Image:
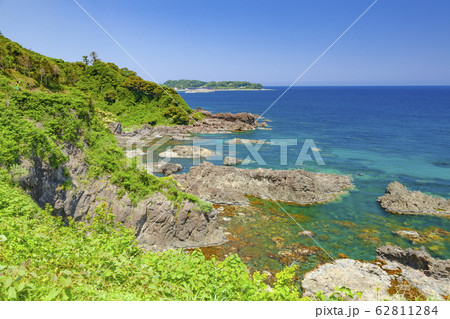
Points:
x=56 y=144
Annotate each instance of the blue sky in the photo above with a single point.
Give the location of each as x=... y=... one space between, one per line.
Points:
x=398 y=42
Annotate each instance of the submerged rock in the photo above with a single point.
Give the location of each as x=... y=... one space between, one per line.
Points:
x=408 y=234
x=399 y=200
x=229 y=185
x=306 y=233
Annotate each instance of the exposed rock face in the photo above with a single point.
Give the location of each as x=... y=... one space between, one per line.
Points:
x=187 y=151
x=159 y=225
x=396 y=274
x=228 y=185
x=116 y=127
x=398 y=200
x=231 y=161
x=163 y=167
x=353 y=274
x=416 y=259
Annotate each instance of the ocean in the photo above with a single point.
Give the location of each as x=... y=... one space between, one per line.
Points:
x=375 y=134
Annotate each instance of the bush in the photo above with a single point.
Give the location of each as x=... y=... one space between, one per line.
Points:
x=43 y=258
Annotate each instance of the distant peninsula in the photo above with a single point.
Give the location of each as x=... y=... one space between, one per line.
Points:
x=202 y=86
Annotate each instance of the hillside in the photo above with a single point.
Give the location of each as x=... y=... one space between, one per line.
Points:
x=213 y=85
x=75 y=212
x=121 y=92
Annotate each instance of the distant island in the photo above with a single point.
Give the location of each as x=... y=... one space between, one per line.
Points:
x=202 y=86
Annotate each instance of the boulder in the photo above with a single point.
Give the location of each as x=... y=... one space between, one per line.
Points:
x=368 y=278
x=231 y=161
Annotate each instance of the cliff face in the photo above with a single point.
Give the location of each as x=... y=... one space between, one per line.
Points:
x=159 y=224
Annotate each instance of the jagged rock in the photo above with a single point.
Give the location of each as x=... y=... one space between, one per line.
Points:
x=428 y=275
x=230 y=161
x=417 y=259
x=187 y=151
x=396 y=274
x=398 y=200
x=228 y=185
x=163 y=167
x=159 y=224
x=368 y=278
x=116 y=127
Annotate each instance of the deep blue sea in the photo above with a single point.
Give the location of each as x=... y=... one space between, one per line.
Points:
x=375 y=134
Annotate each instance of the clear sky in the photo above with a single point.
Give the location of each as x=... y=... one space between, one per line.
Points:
x=398 y=42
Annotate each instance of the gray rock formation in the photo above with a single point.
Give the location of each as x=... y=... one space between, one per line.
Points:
x=163 y=167
x=408 y=234
x=370 y=279
x=159 y=224
x=228 y=185
x=115 y=127
x=399 y=200
x=396 y=274
x=231 y=161
x=416 y=259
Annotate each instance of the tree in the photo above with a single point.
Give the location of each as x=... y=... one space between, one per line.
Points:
x=94 y=57
x=86 y=59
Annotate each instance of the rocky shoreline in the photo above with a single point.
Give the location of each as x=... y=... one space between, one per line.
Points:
x=396 y=274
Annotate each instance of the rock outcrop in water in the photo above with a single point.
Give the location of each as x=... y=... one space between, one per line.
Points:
x=159 y=224
x=187 y=151
x=217 y=123
x=232 y=161
x=229 y=185
x=396 y=274
x=399 y=200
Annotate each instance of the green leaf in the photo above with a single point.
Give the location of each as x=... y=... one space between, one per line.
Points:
x=8 y=282
x=12 y=293
x=53 y=293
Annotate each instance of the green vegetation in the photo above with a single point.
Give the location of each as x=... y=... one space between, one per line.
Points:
x=222 y=85
x=47 y=105
x=129 y=98
x=41 y=258
x=60 y=103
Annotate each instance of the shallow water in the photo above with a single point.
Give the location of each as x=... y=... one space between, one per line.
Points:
x=375 y=134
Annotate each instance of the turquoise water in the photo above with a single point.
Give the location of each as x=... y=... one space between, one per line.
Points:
x=375 y=134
